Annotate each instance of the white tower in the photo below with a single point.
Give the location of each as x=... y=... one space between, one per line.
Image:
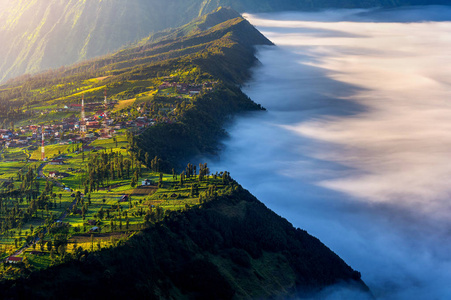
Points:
x=42 y=145
x=105 y=129
x=105 y=103
x=83 y=118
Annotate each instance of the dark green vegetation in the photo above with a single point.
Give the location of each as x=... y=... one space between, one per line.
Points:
x=37 y=35
x=205 y=237
x=231 y=247
x=214 y=53
x=199 y=130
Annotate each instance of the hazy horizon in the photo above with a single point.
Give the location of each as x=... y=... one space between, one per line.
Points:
x=355 y=142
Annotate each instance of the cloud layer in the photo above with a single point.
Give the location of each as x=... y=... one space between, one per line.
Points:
x=356 y=142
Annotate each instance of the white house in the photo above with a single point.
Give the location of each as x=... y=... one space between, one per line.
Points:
x=146 y=182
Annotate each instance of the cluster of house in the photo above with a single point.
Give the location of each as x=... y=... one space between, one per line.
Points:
x=65 y=132
x=139 y=122
x=185 y=88
x=31 y=135
x=13 y=139
x=68 y=130
x=93 y=106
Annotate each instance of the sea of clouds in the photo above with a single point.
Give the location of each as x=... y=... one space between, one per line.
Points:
x=355 y=146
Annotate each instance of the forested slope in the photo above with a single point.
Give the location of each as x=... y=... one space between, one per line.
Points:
x=231 y=247
x=218 y=46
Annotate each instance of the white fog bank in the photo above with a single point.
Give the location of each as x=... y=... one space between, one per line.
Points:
x=356 y=144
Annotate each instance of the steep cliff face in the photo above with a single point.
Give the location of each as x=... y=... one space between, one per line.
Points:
x=231 y=248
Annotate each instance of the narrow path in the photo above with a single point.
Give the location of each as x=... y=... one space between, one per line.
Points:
x=40 y=169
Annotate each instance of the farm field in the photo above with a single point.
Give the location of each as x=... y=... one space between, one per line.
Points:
x=96 y=185
x=52 y=212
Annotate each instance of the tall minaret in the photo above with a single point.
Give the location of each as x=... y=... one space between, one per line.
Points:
x=105 y=103
x=42 y=145
x=105 y=128
x=83 y=119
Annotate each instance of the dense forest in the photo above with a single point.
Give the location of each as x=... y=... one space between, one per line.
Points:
x=231 y=247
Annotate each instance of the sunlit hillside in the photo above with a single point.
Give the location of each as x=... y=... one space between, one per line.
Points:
x=38 y=35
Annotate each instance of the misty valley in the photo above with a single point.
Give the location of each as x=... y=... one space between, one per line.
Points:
x=356 y=139
x=225 y=149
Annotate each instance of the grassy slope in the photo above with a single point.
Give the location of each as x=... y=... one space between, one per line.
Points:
x=83 y=29
x=168 y=55
x=35 y=34
x=200 y=128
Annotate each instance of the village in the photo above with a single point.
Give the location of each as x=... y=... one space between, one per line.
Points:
x=89 y=121
x=71 y=130
x=60 y=156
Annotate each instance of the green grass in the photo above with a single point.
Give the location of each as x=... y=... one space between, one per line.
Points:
x=37 y=261
x=50 y=151
x=142 y=198
x=171 y=196
x=45 y=107
x=10 y=169
x=14 y=154
x=46 y=118
x=124 y=104
x=110 y=143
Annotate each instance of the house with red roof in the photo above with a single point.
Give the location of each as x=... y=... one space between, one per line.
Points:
x=14 y=259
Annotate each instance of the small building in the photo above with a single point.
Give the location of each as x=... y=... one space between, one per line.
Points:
x=57 y=162
x=195 y=91
x=146 y=182
x=14 y=259
x=140 y=124
x=124 y=198
x=94 y=229
x=92 y=124
x=58 y=174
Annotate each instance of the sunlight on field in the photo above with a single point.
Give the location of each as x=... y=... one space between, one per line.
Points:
x=50 y=151
x=14 y=154
x=124 y=104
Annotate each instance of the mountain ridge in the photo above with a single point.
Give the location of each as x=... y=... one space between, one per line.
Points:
x=40 y=35
x=225 y=244
x=233 y=247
